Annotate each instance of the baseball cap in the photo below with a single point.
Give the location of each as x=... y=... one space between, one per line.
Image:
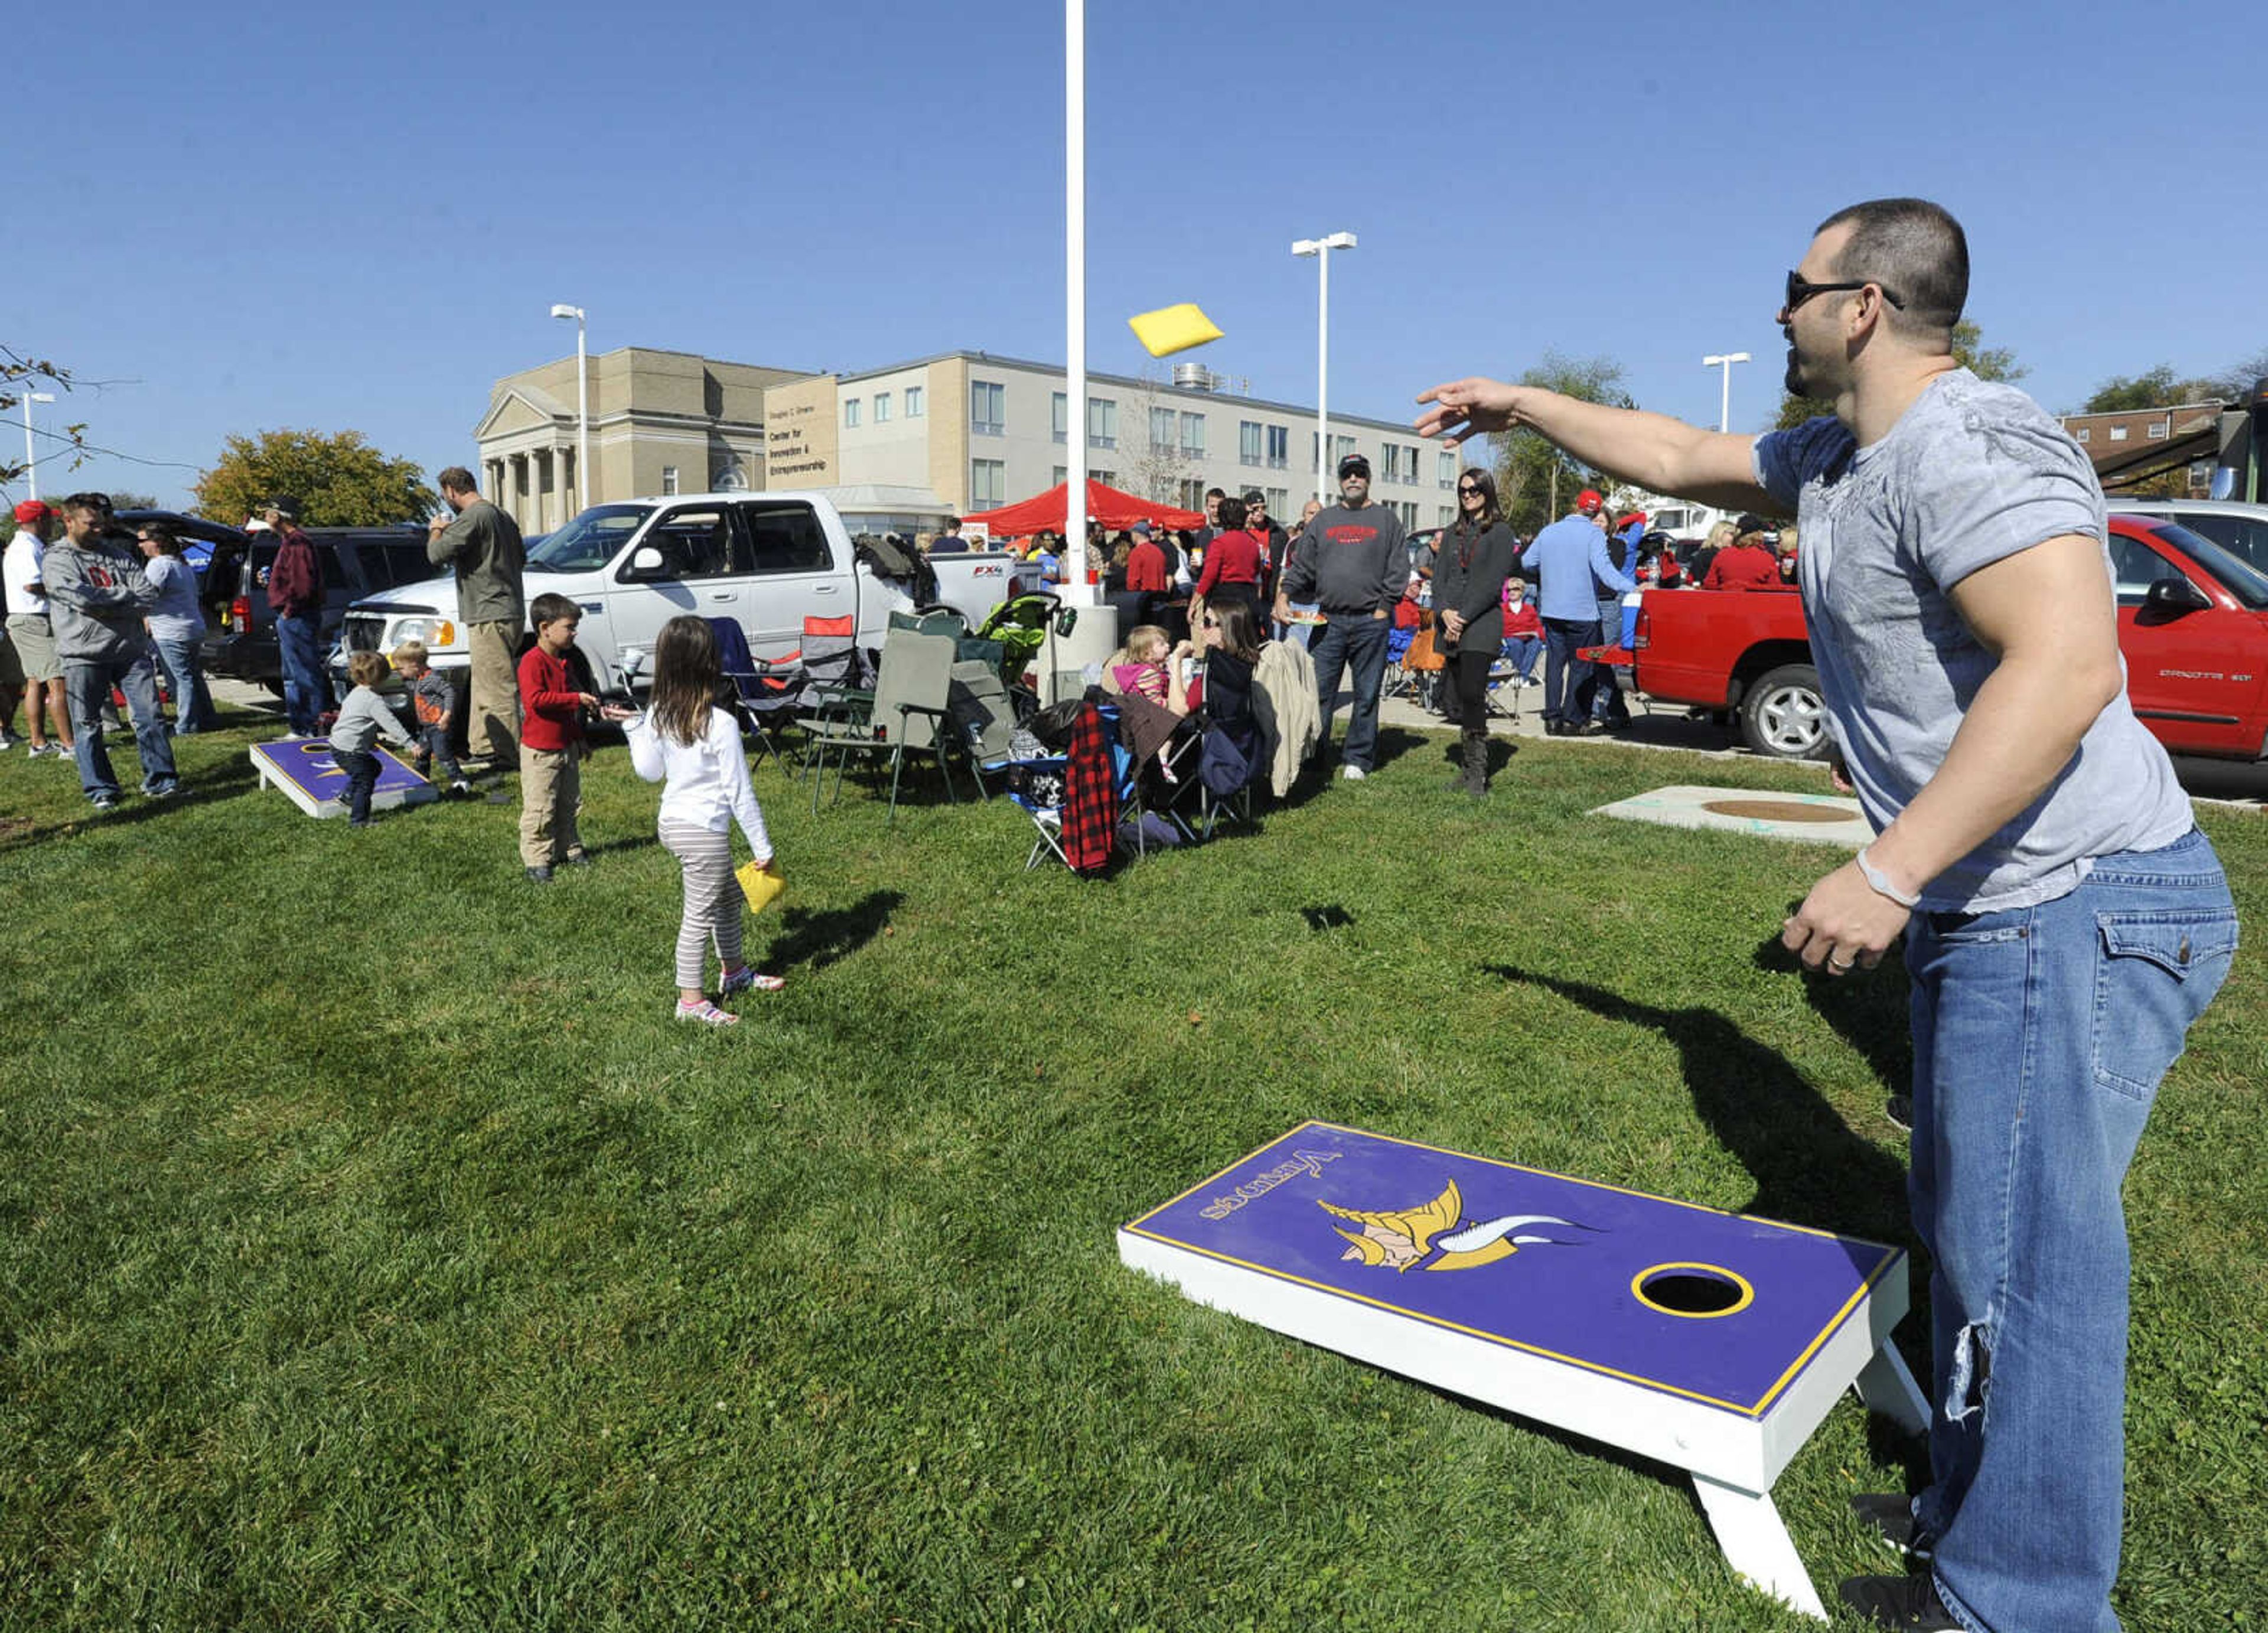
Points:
x=31 y=511
x=1352 y=463
x=287 y=509
x=1751 y=522
x=1141 y=527
x=1588 y=501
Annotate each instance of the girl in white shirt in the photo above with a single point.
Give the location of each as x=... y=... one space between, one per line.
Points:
x=692 y=747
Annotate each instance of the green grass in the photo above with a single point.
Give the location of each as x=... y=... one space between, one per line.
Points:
x=379 y=1253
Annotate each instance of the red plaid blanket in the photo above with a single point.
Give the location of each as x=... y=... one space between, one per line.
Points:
x=1090 y=820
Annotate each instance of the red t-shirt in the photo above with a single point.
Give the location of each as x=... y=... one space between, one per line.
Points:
x=1146 y=567
x=1743 y=567
x=551 y=704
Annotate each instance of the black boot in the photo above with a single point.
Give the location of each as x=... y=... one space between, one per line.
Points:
x=1476 y=776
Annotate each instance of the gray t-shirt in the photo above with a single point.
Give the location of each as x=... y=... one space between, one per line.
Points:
x=1970 y=475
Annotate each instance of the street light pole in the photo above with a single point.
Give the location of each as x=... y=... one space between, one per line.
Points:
x=1320 y=249
x=1725 y=405
x=582 y=404
x=30 y=454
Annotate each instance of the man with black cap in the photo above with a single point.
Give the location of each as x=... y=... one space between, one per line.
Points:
x=1567 y=556
x=295 y=593
x=1350 y=560
x=1747 y=562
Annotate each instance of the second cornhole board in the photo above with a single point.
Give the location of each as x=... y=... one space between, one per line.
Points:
x=1817 y=819
x=1715 y=1343
x=302 y=766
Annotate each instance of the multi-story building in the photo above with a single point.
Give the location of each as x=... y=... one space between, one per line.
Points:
x=900 y=447
x=2145 y=447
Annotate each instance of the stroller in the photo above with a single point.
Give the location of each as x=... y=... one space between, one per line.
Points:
x=1020 y=625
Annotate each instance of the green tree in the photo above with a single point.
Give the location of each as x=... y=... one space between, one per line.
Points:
x=2160 y=388
x=1535 y=481
x=2234 y=384
x=340 y=480
x=1986 y=363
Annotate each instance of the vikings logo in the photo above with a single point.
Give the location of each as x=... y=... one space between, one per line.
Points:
x=1406 y=1237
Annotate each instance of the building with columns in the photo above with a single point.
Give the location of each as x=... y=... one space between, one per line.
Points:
x=661 y=421
x=962 y=433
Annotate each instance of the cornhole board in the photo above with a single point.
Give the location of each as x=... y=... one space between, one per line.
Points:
x=1818 y=819
x=302 y=768
x=1713 y=1341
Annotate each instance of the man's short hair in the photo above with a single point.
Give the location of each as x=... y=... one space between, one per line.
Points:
x=550 y=608
x=457 y=479
x=409 y=653
x=98 y=502
x=1914 y=249
x=951 y=525
x=1216 y=493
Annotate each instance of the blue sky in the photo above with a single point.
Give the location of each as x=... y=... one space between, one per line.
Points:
x=241 y=217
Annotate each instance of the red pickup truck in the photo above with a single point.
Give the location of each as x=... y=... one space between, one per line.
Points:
x=2192 y=625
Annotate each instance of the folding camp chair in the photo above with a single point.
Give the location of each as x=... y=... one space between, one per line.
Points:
x=908 y=714
x=1035 y=787
x=763 y=691
x=1400 y=681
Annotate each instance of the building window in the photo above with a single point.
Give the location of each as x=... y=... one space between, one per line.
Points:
x=1248 y=442
x=2085 y=433
x=850 y=414
x=1190 y=493
x=1442 y=516
x=1407 y=512
x=1445 y=471
x=1062 y=475
x=1059 y=416
x=1193 y=436
x=1163 y=437
x=2118 y=433
x=2156 y=432
x=1279 y=505
x=1108 y=479
x=881 y=407
x=1279 y=447
x=988 y=482
x=669 y=479
x=987 y=408
x=913 y=402
x=2201 y=474
x=1101 y=422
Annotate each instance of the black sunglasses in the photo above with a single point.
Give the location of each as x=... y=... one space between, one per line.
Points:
x=1212 y=623
x=1467 y=488
x=1800 y=290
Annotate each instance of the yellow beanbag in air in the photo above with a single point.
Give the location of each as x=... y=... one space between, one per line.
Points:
x=1173 y=328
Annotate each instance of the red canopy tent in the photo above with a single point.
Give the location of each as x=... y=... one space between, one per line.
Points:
x=1104 y=504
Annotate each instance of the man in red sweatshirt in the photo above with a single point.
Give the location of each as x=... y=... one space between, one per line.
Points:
x=550 y=742
x=295 y=594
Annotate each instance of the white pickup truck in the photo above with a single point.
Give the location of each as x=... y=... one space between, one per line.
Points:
x=768 y=560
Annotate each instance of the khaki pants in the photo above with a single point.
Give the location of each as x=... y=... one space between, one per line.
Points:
x=493 y=729
x=550 y=787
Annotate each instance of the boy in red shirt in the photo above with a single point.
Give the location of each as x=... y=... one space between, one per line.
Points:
x=550 y=742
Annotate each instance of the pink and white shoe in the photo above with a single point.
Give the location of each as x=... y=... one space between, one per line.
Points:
x=707 y=1013
x=745 y=979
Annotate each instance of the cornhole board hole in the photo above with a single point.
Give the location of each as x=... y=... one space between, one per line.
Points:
x=1820 y=819
x=1712 y=1341
x=302 y=768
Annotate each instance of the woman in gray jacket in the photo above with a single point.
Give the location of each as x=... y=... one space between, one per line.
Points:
x=1477 y=553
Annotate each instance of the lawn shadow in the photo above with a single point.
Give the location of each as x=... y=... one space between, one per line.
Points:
x=1867 y=1010
x=1809 y=1167
x=223 y=781
x=815 y=940
x=637 y=841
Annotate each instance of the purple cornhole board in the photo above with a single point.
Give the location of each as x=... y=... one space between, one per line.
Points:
x=1712 y=1341
x=302 y=768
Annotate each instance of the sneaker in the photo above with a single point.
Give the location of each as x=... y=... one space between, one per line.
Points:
x=459 y=786
x=578 y=858
x=1899 y=1110
x=160 y=790
x=104 y=802
x=745 y=979
x=1353 y=774
x=351 y=822
x=8 y=739
x=707 y=1013
x=1910 y=1603
x=539 y=875
x=1891 y=1517
x=41 y=751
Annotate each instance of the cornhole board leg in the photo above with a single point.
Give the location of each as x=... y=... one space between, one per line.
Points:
x=1756 y=1544
x=1887 y=1386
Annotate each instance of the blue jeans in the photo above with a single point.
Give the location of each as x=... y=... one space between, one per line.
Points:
x=433 y=745
x=306 y=693
x=2040 y=1035
x=192 y=709
x=1607 y=696
x=1568 y=681
x=361 y=767
x=1356 y=642
x=86 y=684
x=1523 y=650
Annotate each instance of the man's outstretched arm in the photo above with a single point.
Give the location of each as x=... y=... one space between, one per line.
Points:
x=1651 y=450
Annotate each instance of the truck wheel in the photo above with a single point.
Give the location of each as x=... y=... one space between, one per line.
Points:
x=1783 y=716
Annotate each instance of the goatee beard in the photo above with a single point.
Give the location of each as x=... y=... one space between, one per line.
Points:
x=1794 y=379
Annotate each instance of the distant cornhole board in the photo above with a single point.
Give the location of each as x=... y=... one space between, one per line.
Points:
x=1822 y=819
x=302 y=768
x=1712 y=1341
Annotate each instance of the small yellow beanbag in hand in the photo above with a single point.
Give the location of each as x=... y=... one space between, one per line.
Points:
x=760 y=883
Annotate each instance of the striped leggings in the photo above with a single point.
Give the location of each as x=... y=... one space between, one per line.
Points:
x=713 y=901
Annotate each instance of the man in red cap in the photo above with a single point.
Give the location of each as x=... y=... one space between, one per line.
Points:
x=32 y=635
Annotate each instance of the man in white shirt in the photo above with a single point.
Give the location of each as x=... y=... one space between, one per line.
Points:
x=32 y=636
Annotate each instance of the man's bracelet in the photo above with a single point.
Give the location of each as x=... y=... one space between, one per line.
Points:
x=1880 y=882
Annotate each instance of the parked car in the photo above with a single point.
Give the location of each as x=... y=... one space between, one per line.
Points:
x=2239 y=528
x=768 y=560
x=2192 y=626
x=356 y=562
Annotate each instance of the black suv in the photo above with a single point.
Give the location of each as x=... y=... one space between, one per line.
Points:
x=356 y=562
